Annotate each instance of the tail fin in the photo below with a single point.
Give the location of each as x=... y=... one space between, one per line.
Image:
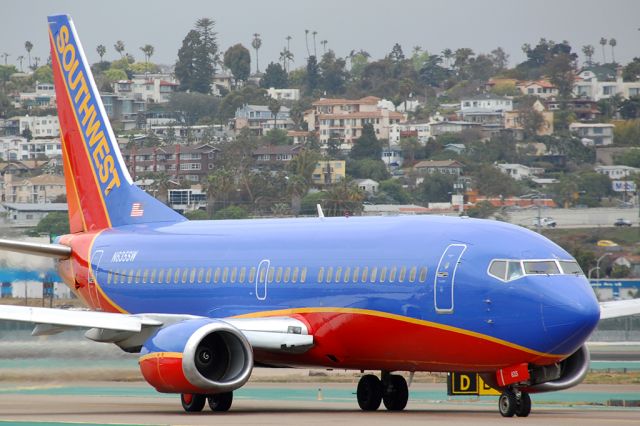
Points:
x=100 y=191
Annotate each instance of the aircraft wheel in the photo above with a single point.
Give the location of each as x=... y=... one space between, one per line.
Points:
x=396 y=393
x=524 y=405
x=220 y=401
x=369 y=392
x=507 y=403
x=192 y=402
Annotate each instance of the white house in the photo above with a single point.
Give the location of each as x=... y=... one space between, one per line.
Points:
x=392 y=156
x=369 y=186
x=601 y=82
x=41 y=127
x=520 y=171
x=284 y=94
x=598 y=134
x=617 y=172
x=155 y=88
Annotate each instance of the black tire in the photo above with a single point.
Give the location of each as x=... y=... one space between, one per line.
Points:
x=221 y=401
x=507 y=404
x=524 y=405
x=369 y=392
x=395 y=393
x=192 y=402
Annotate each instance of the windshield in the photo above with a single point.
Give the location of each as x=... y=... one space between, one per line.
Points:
x=509 y=270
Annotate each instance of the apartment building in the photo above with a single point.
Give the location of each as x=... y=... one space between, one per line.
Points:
x=46 y=126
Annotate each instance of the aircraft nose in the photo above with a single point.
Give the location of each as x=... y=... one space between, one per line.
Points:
x=569 y=322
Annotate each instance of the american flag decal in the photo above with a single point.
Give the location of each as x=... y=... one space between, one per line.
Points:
x=137 y=210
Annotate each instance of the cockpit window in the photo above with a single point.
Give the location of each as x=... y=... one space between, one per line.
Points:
x=515 y=270
x=541 y=267
x=498 y=269
x=571 y=268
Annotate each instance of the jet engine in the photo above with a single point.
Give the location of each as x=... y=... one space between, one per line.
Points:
x=563 y=375
x=197 y=356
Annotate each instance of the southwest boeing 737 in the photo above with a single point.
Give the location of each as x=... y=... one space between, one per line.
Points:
x=203 y=302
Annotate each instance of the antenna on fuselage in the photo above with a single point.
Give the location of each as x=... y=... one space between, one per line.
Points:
x=320 y=212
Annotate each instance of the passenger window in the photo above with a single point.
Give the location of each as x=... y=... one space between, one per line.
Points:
x=169 y=275
x=356 y=273
x=153 y=276
x=365 y=272
x=279 y=274
x=498 y=269
x=208 y=276
x=374 y=275
x=234 y=274
x=176 y=276
x=130 y=279
x=185 y=273
x=544 y=267
x=263 y=274
x=347 y=274
x=294 y=277
x=321 y=274
x=383 y=274
x=514 y=270
x=109 y=277
x=192 y=276
x=145 y=275
x=570 y=268
x=423 y=274
x=329 y=274
x=287 y=274
x=200 y=275
x=392 y=274
x=338 y=274
x=271 y=274
x=403 y=272
x=161 y=276
x=225 y=274
x=252 y=274
x=216 y=275
x=243 y=274
x=412 y=274
x=303 y=275
x=137 y=276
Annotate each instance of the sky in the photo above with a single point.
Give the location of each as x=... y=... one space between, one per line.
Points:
x=372 y=25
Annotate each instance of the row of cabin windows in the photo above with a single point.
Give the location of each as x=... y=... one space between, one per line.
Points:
x=241 y=275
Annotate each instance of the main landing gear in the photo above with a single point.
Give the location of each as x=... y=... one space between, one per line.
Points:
x=392 y=390
x=194 y=402
x=514 y=402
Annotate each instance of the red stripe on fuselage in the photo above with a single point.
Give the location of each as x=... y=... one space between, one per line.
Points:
x=90 y=197
x=361 y=341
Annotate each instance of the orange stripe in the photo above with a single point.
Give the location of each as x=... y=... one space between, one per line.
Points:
x=160 y=355
x=79 y=127
x=73 y=199
x=288 y=312
x=113 y=304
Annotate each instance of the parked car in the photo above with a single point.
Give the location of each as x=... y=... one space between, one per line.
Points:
x=545 y=222
x=622 y=222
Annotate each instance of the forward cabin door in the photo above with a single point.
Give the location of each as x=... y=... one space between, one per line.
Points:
x=445 y=278
x=262 y=279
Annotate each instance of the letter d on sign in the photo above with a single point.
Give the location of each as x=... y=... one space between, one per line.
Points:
x=465 y=382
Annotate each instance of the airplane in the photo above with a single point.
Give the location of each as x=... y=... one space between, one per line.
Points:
x=204 y=302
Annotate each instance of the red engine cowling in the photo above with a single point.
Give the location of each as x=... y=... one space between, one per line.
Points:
x=197 y=356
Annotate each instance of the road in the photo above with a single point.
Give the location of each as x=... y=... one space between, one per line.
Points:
x=574 y=218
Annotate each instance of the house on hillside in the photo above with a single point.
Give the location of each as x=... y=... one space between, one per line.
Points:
x=541 y=88
x=598 y=134
x=603 y=82
x=520 y=171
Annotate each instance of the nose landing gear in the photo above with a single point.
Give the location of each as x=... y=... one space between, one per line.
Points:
x=392 y=390
x=514 y=403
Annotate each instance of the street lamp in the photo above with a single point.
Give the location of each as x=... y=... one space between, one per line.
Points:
x=598 y=262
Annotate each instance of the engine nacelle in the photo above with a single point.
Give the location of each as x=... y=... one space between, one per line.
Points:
x=567 y=374
x=197 y=356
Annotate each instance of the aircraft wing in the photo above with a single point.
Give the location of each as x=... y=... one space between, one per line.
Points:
x=619 y=308
x=278 y=334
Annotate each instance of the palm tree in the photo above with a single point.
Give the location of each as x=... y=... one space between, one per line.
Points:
x=297 y=187
x=218 y=186
x=447 y=54
x=28 y=46
x=306 y=41
x=588 y=51
x=315 y=52
x=101 y=51
x=613 y=43
x=324 y=46
x=603 y=43
x=256 y=43
x=147 y=50
x=20 y=59
x=119 y=47
x=5 y=55
x=274 y=107
x=36 y=60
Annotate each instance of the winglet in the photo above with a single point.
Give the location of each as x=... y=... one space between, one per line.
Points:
x=320 y=212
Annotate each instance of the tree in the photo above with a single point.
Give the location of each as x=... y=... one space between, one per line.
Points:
x=447 y=54
x=5 y=55
x=55 y=223
x=431 y=73
x=206 y=55
x=435 y=188
x=274 y=108
x=28 y=46
x=500 y=58
x=368 y=168
x=367 y=145
x=234 y=100
x=256 y=43
x=276 y=137
x=334 y=74
x=306 y=41
x=531 y=120
x=101 y=51
x=185 y=65
x=20 y=59
x=396 y=54
x=631 y=71
x=147 y=50
x=482 y=210
x=43 y=74
x=491 y=181
x=297 y=186
x=613 y=43
x=630 y=108
x=394 y=189
x=238 y=59
x=343 y=198
x=603 y=43
x=218 y=187
x=410 y=148
x=194 y=108
x=119 y=47
x=274 y=76
x=561 y=72
x=312 y=77
x=231 y=212
x=588 y=51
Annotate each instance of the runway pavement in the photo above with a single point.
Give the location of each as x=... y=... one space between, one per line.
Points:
x=299 y=404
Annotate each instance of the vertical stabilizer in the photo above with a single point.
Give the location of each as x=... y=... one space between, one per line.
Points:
x=100 y=192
